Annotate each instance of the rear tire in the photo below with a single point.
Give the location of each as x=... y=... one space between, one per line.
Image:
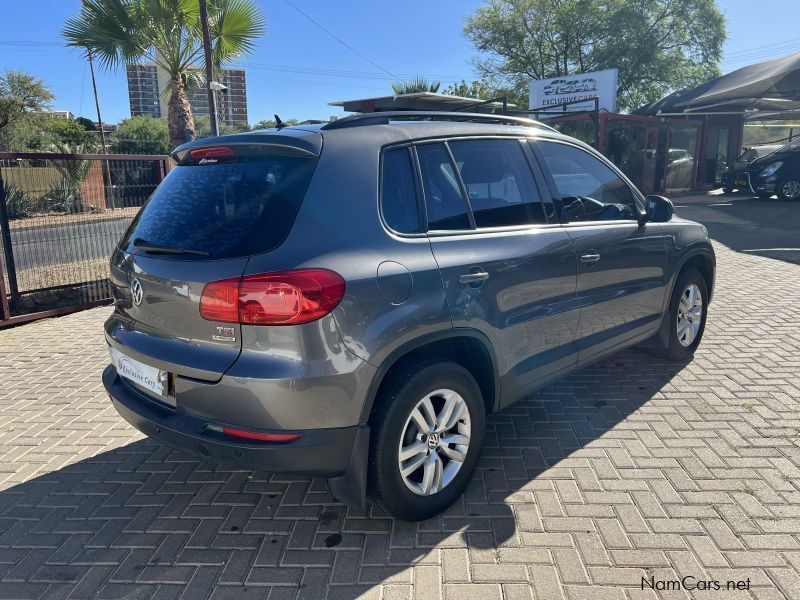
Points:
x=418 y=396
x=688 y=309
x=764 y=196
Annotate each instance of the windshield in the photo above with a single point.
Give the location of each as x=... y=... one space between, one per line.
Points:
x=224 y=210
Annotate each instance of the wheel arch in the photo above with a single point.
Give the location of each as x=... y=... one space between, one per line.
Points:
x=703 y=261
x=468 y=347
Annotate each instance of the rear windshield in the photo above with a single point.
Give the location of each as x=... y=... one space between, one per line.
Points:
x=227 y=210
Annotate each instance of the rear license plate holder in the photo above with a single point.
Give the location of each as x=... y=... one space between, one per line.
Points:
x=151 y=379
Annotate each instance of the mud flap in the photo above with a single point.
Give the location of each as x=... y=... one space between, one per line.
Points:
x=351 y=488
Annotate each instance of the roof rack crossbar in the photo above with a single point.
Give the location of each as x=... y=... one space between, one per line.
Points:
x=384 y=118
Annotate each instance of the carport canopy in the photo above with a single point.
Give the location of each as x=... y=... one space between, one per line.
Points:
x=420 y=101
x=766 y=90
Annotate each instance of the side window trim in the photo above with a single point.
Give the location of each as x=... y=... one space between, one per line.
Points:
x=422 y=208
x=542 y=186
x=461 y=186
x=422 y=192
x=535 y=146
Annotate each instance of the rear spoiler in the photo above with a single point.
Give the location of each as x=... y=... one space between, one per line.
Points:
x=288 y=142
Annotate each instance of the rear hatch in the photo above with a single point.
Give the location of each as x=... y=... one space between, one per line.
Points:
x=226 y=200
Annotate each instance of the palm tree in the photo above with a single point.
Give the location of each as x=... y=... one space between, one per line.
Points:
x=168 y=33
x=414 y=85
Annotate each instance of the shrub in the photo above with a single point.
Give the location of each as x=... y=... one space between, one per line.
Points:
x=64 y=196
x=18 y=204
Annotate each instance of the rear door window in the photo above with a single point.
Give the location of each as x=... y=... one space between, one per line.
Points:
x=232 y=208
x=499 y=182
x=443 y=200
x=399 y=192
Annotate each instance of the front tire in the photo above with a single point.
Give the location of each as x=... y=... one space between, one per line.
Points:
x=688 y=309
x=789 y=189
x=427 y=435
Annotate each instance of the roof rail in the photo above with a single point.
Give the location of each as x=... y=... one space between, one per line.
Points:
x=384 y=118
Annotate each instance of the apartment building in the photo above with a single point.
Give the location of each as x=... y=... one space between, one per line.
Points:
x=147 y=82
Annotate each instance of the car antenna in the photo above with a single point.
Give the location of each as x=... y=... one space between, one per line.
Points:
x=278 y=123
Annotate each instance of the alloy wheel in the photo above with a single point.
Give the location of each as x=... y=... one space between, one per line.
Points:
x=690 y=315
x=791 y=189
x=435 y=442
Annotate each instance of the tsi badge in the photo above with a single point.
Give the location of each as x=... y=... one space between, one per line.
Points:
x=225 y=334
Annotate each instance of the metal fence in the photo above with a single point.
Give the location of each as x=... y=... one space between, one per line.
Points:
x=60 y=217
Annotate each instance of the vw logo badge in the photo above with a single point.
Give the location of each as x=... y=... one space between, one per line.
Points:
x=137 y=293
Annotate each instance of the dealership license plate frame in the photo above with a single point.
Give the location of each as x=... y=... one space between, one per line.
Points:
x=151 y=379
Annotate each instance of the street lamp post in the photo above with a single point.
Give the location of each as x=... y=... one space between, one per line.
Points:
x=215 y=86
x=212 y=102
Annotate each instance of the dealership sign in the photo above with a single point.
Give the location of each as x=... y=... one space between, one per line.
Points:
x=549 y=93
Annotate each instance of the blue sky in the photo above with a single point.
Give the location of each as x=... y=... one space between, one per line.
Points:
x=297 y=68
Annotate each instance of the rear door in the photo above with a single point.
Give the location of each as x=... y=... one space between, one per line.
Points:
x=211 y=213
x=507 y=271
x=621 y=264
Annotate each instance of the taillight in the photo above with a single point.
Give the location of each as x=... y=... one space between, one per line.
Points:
x=281 y=298
x=220 y=301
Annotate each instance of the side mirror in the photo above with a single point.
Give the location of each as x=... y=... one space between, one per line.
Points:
x=659 y=209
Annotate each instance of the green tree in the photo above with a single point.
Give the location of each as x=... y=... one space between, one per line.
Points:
x=70 y=133
x=415 y=85
x=87 y=124
x=484 y=90
x=477 y=89
x=168 y=33
x=23 y=102
x=203 y=123
x=264 y=124
x=270 y=123
x=658 y=46
x=141 y=135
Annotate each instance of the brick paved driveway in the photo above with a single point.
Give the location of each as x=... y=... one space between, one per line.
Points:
x=632 y=468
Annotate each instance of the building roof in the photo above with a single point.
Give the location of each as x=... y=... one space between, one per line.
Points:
x=419 y=101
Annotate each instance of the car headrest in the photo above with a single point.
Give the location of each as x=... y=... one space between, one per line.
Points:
x=483 y=166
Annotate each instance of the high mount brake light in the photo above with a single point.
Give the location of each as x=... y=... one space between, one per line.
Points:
x=212 y=152
x=280 y=298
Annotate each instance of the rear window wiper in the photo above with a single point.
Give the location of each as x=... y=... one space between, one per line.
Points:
x=152 y=249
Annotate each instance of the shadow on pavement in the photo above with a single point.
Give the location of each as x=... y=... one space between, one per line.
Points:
x=748 y=224
x=145 y=521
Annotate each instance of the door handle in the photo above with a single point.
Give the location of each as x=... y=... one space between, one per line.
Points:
x=474 y=277
x=590 y=257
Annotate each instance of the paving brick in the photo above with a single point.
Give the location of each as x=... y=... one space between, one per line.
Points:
x=472 y=591
x=631 y=467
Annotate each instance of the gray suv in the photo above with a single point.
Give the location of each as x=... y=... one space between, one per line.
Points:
x=351 y=301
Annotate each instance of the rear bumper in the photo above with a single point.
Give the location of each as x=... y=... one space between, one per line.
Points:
x=318 y=452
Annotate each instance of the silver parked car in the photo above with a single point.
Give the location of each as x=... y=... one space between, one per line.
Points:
x=351 y=301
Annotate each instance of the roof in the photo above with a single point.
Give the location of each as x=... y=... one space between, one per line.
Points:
x=377 y=130
x=417 y=101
